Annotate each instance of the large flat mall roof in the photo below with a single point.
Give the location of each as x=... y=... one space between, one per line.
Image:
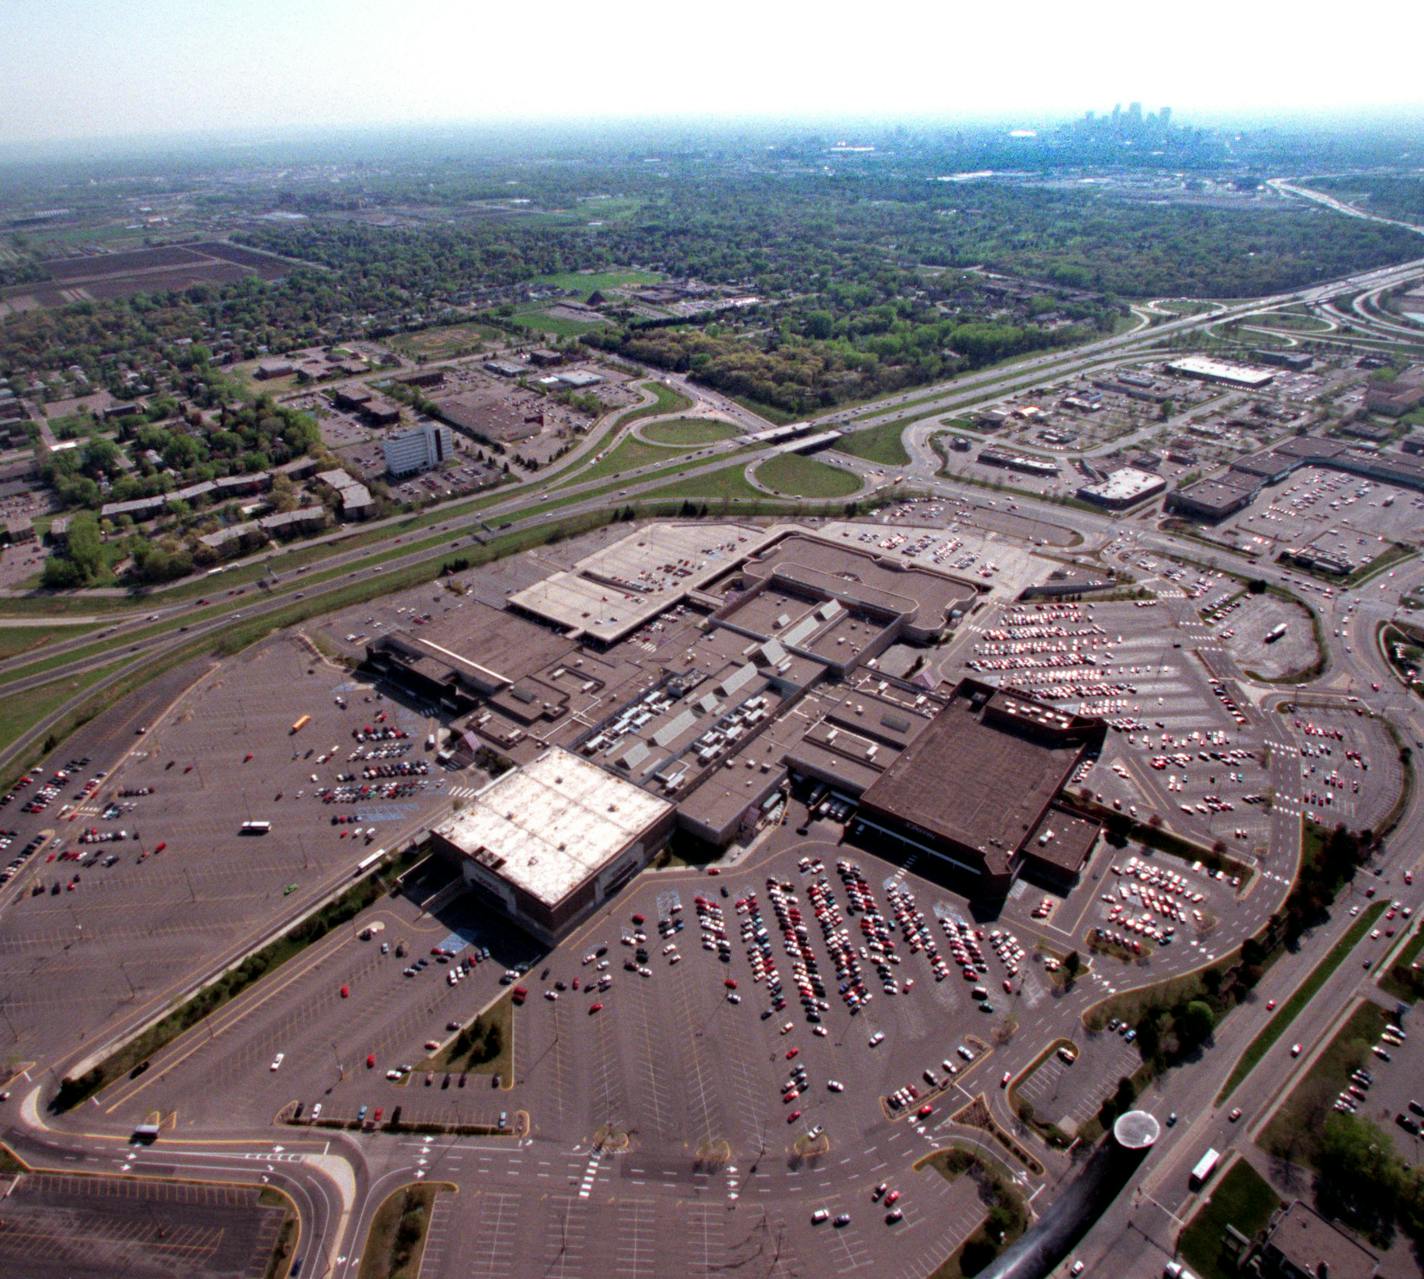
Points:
x=552 y=824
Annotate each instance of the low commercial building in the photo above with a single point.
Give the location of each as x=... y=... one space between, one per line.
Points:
x=1123 y=488
x=1017 y=462
x=19 y=528
x=1296 y=361
x=547 y=844
x=1394 y=399
x=975 y=793
x=1205 y=369
x=420 y=449
x=1301 y=1244
x=1215 y=499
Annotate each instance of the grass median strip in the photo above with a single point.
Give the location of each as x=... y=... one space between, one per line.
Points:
x=132 y=1056
x=396 y=1240
x=1291 y=1009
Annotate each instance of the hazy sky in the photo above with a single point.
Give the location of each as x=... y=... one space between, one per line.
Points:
x=101 y=68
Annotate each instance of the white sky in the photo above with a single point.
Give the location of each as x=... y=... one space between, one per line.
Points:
x=101 y=68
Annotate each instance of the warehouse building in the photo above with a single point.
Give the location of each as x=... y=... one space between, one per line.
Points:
x=1204 y=369
x=548 y=843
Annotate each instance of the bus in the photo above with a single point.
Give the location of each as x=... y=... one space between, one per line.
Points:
x=1206 y=1165
x=255 y=828
x=367 y=862
x=301 y=723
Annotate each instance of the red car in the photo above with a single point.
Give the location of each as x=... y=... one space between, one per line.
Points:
x=793 y=1116
x=791 y=1052
x=346 y=992
x=370 y=1061
x=594 y=1008
x=925 y=1111
x=891 y=1197
x=519 y=995
x=730 y=983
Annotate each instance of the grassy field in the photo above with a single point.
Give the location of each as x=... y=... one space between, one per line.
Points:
x=19 y=714
x=534 y=317
x=625 y=456
x=1242 y=1198
x=397 y=1236
x=15 y=640
x=689 y=432
x=444 y=342
x=668 y=400
x=582 y=284
x=730 y=481
x=1295 y=1005
x=798 y=476
x=774 y=415
x=878 y=443
x=1292 y=1131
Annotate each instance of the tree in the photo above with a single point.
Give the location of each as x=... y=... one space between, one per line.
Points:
x=1195 y=1023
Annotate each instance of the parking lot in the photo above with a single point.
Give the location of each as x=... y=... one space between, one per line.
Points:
x=341 y=1016
x=1184 y=747
x=1068 y=1095
x=77 y=1227
x=1350 y=769
x=143 y=875
x=1344 y=516
x=798 y=1002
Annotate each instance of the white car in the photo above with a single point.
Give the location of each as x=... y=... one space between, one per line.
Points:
x=877 y=1038
x=277 y=1061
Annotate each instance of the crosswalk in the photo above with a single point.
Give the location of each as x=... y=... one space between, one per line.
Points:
x=590 y=1173
x=463 y=792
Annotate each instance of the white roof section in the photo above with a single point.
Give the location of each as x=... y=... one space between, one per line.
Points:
x=1125 y=484
x=618 y=588
x=555 y=823
x=1221 y=371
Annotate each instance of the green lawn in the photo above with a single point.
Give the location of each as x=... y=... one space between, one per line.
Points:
x=668 y=400
x=730 y=481
x=534 y=317
x=1297 y=1124
x=1242 y=1198
x=689 y=432
x=443 y=342
x=798 y=476
x=880 y=444
x=19 y=714
x=582 y=284
x=622 y=458
x=1292 y=1008
x=15 y=640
